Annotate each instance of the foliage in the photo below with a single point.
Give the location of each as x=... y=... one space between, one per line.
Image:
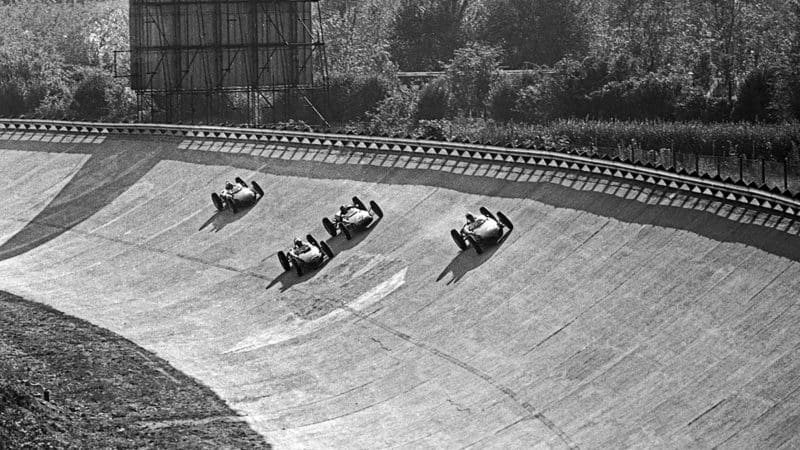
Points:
x=424 y=33
x=534 y=32
x=352 y=96
x=756 y=96
x=395 y=112
x=354 y=41
x=650 y=97
x=47 y=49
x=434 y=98
x=470 y=75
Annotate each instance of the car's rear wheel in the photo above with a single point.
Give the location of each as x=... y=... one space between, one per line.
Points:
x=326 y=249
x=311 y=240
x=487 y=213
x=258 y=189
x=329 y=226
x=284 y=261
x=357 y=201
x=474 y=244
x=346 y=233
x=241 y=181
x=504 y=220
x=215 y=198
x=232 y=202
x=298 y=269
x=458 y=239
x=375 y=208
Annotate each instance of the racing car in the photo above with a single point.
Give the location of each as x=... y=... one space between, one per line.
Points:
x=236 y=195
x=305 y=256
x=354 y=217
x=486 y=229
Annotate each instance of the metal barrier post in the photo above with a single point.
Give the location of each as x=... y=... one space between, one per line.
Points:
x=697 y=163
x=741 y=169
x=674 y=161
x=786 y=173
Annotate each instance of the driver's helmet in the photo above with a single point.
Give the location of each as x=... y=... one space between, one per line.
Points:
x=343 y=209
x=470 y=218
x=228 y=185
x=298 y=242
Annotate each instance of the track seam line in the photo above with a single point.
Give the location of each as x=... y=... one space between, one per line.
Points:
x=531 y=411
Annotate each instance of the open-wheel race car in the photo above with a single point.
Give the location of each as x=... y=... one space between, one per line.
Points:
x=479 y=232
x=237 y=195
x=305 y=256
x=354 y=217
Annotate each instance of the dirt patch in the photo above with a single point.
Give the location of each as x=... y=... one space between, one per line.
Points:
x=65 y=383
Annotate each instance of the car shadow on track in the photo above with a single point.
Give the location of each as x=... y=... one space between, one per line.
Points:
x=467 y=260
x=221 y=219
x=290 y=278
x=339 y=243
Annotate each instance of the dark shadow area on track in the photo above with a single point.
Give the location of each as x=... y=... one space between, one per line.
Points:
x=223 y=218
x=550 y=186
x=102 y=178
x=468 y=260
x=340 y=244
x=290 y=278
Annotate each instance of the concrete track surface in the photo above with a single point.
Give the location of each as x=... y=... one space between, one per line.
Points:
x=614 y=315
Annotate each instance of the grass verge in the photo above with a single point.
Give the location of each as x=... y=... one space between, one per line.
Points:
x=65 y=383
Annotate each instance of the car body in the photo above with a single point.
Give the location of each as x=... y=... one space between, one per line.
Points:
x=241 y=196
x=357 y=218
x=487 y=230
x=314 y=256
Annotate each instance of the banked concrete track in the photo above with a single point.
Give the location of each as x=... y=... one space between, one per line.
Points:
x=616 y=314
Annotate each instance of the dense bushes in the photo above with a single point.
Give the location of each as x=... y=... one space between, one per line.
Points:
x=56 y=61
x=351 y=96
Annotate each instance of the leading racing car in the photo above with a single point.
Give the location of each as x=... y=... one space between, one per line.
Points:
x=354 y=217
x=306 y=255
x=478 y=232
x=236 y=195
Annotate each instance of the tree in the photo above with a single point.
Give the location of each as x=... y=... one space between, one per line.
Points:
x=535 y=31
x=424 y=33
x=470 y=74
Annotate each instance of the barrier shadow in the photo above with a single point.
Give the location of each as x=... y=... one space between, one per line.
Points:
x=103 y=177
x=113 y=167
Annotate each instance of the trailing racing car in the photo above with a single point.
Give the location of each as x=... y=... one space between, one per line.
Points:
x=479 y=232
x=305 y=256
x=353 y=217
x=237 y=195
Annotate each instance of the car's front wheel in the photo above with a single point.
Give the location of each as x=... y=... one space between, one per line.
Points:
x=217 y=200
x=375 y=208
x=326 y=249
x=257 y=188
x=487 y=213
x=284 y=261
x=504 y=220
x=329 y=226
x=359 y=204
x=458 y=239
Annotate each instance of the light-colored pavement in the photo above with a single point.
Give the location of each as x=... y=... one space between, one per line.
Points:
x=614 y=315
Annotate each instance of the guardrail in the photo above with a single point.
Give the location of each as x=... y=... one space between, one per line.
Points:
x=751 y=194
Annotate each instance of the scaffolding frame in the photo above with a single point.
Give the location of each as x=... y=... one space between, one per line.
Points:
x=233 y=61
